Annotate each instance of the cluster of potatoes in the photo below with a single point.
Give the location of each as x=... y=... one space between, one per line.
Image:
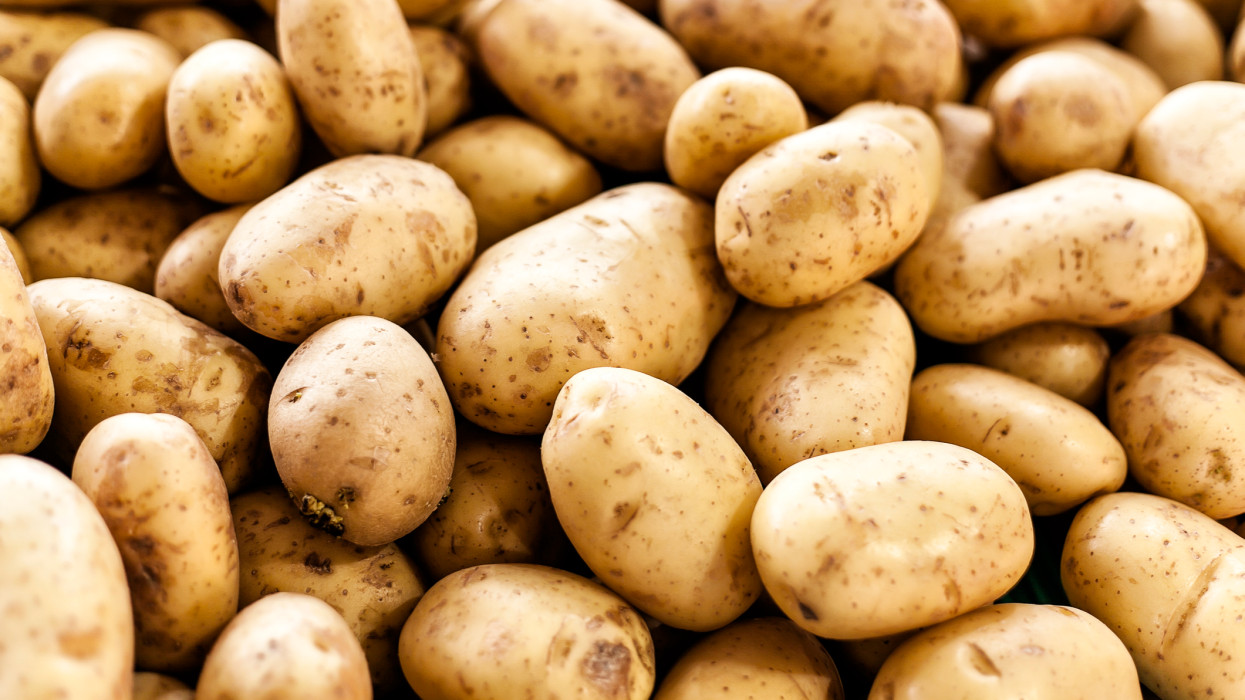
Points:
x=611 y=350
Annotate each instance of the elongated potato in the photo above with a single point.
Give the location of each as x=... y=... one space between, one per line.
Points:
x=187 y=276
x=1216 y=309
x=1068 y=359
x=188 y=28
x=36 y=41
x=26 y=412
x=20 y=177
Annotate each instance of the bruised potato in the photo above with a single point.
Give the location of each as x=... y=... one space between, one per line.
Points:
x=26 y=413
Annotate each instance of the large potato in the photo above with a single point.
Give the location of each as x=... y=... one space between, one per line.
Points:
x=1068 y=359
x=36 y=41
x=20 y=177
x=67 y=625
x=26 y=412
x=187 y=276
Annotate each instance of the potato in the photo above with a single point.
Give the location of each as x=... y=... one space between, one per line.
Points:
x=282 y=647
x=759 y=658
x=20 y=178
x=357 y=75
x=790 y=384
x=1058 y=452
x=1038 y=652
x=1216 y=309
x=444 y=60
x=1012 y=23
x=116 y=350
x=187 y=274
x=970 y=168
x=164 y=500
x=99 y=115
x=362 y=431
x=816 y=212
x=515 y=173
x=545 y=632
x=67 y=622
x=18 y=254
x=26 y=412
x=901 y=535
x=723 y=119
x=155 y=686
x=376 y=235
x=627 y=278
x=654 y=495
x=232 y=125
x=1178 y=39
x=1167 y=580
x=915 y=126
x=374 y=588
x=36 y=41
x=834 y=54
x=118 y=236
x=1087 y=247
x=1065 y=358
x=188 y=28
x=595 y=72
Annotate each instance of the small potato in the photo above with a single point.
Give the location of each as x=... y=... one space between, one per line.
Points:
x=819 y=211
x=1036 y=652
x=546 y=632
x=187 y=274
x=67 y=624
x=232 y=124
x=1065 y=358
x=164 y=500
x=99 y=116
x=154 y=686
x=900 y=538
x=357 y=75
x=1216 y=309
x=1058 y=452
x=515 y=173
x=26 y=412
x=1178 y=39
x=36 y=41
x=916 y=127
x=444 y=60
x=1012 y=23
x=188 y=28
x=283 y=647
x=20 y=177
x=724 y=118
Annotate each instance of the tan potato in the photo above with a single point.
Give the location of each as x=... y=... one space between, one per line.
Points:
x=916 y=127
x=20 y=177
x=67 y=621
x=283 y=647
x=155 y=686
x=901 y=537
x=164 y=500
x=26 y=412
x=99 y=115
x=546 y=631
x=1178 y=39
x=187 y=274
x=627 y=278
x=515 y=173
x=816 y=212
x=116 y=350
x=1012 y=23
x=377 y=235
x=1087 y=247
x=444 y=60
x=1038 y=652
x=188 y=28
x=374 y=588
x=362 y=431
x=357 y=75
x=36 y=41
x=232 y=124
x=790 y=384
x=1216 y=309
x=1065 y=358
x=722 y=120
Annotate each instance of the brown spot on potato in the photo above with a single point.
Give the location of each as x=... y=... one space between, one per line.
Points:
x=80 y=644
x=608 y=667
x=317 y=565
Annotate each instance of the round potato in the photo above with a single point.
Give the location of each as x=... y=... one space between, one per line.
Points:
x=36 y=41
x=1012 y=23
x=1216 y=309
x=444 y=59
x=20 y=177
x=1178 y=39
x=155 y=686
x=1065 y=358
x=188 y=28
x=187 y=274
x=26 y=412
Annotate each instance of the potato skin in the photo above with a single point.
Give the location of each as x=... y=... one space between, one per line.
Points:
x=916 y=127
x=20 y=177
x=1178 y=39
x=163 y=498
x=1216 y=309
x=1012 y=23
x=444 y=60
x=19 y=255
x=37 y=40
x=29 y=397
x=63 y=589
x=1068 y=359
x=187 y=276
x=188 y=28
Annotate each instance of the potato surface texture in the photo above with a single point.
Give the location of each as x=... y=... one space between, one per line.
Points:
x=1068 y=359
x=38 y=39
x=29 y=397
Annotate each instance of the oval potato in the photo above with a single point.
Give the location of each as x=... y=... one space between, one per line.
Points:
x=1068 y=359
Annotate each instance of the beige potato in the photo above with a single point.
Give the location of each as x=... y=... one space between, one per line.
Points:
x=816 y=212
x=790 y=384
x=20 y=177
x=36 y=41
x=163 y=498
x=116 y=350
x=547 y=631
x=1065 y=358
x=187 y=274
x=444 y=59
x=155 y=686
x=282 y=647
x=901 y=535
x=724 y=118
x=1038 y=652
x=1179 y=410
x=357 y=75
x=1087 y=247
x=1012 y=23
x=99 y=115
x=232 y=124
x=627 y=278
x=916 y=127
x=188 y=28
x=376 y=235
x=67 y=622
x=515 y=173
x=26 y=412
x=18 y=254
x=1178 y=39
x=373 y=588
x=1216 y=309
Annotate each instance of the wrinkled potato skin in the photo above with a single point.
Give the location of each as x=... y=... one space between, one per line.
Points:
x=1058 y=452
x=790 y=384
x=19 y=255
x=1038 y=652
x=99 y=115
x=560 y=630
x=115 y=350
x=63 y=589
x=909 y=510
x=1216 y=309
x=1167 y=580
x=280 y=551
x=1068 y=359
x=916 y=127
x=20 y=177
x=164 y=500
x=1013 y=23
x=444 y=59
x=26 y=412
x=155 y=686
x=655 y=496
x=595 y=72
x=187 y=274
x=1178 y=39
x=37 y=40
x=1087 y=247
x=375 y=235
x=1179 y=411
x=188 y=28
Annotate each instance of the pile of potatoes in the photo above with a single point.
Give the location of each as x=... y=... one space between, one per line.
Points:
x=613 y=350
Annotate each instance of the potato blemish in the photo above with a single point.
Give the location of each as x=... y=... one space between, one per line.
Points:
x=319 y=514
x=607 y=666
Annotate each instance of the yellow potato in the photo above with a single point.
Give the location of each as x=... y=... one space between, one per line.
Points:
x=36 y=41
x=916 y=127
x=20 y=178
x=444 y=60
x=1216 y=309
x=1178 y=39
x=26 y=412
x=188 y=28
x=18 y=254
x=1011 y=23
x=1065 y=358
x=187 y=274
